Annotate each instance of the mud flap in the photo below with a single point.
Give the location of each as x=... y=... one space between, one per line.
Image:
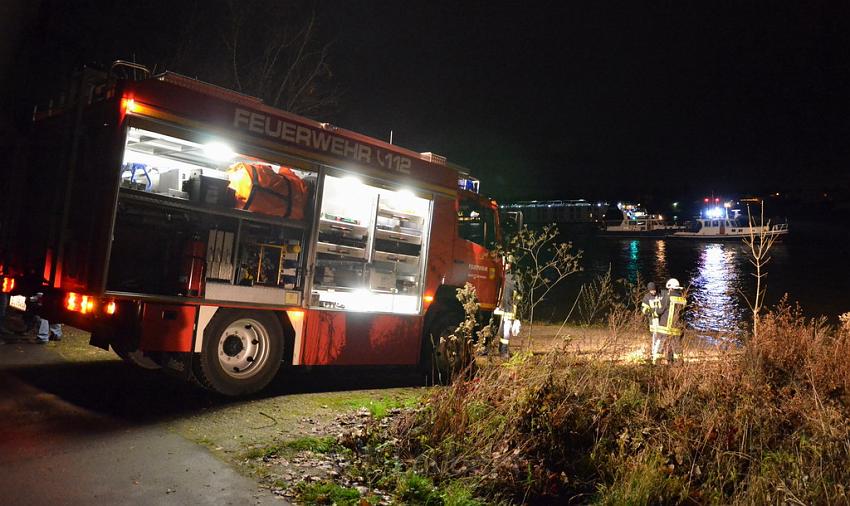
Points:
x=100 y=340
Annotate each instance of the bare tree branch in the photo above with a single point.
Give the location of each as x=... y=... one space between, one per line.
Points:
x=296 y=60
x=539 y=265
x=270 y=49
x=759 y=241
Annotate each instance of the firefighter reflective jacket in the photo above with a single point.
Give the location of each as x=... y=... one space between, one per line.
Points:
x=651 y=307
x=507 y=306
x=670 y=318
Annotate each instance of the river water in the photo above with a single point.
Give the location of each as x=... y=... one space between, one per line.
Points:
x=810 y=265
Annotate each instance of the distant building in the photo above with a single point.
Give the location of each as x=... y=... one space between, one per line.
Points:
x=556 y=211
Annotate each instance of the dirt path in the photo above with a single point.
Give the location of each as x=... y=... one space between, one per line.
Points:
x=99 y=430
x=622 y=344
x=55 y=451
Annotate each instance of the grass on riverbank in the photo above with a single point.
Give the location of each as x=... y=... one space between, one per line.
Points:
x=768 y=425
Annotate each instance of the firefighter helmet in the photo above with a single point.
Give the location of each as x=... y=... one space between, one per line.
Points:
x=673 y=284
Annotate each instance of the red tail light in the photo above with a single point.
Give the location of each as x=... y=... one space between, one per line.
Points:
x=86 y=304
x=8 y=285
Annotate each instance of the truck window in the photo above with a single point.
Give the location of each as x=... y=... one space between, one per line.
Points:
x=476 y=223
x=370 y=248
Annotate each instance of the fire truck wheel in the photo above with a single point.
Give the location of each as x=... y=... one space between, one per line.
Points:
x=444 y=358
x=241 y=352
x=134 y=357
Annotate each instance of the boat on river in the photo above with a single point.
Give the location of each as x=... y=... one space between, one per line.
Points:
x=725 y=228
x=635 y=222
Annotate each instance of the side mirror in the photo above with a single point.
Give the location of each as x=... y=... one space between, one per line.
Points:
x=511 y=222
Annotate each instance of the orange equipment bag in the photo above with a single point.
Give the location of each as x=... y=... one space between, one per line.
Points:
x=262 y=190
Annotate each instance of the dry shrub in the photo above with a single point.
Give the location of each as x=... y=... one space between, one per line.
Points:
x=770 y=425
x=803 y=353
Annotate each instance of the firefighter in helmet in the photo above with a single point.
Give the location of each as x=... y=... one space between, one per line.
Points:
x=651 y=307
x=670 y=323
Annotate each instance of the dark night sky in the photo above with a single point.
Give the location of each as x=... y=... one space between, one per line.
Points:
x=592 y=97
x=596 y=99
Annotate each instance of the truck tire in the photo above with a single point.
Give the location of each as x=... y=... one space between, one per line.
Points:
x=241 y=352
x=440 y=359
x=134 y=357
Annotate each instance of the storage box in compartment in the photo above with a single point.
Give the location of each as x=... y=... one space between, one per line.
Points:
x=382 y=256
x=392 y=235
x=337 y=249
x=173 y=180
x=402 y=248
x=390 y=219
x=340 y=275
x=210 y=190
x=382 y=281
x=344 y=234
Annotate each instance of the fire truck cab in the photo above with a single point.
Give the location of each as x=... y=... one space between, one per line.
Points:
x=195 y=228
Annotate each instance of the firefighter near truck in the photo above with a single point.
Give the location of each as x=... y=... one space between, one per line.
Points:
x=193 y=228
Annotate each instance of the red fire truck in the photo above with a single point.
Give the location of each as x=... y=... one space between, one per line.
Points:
x=341 y=250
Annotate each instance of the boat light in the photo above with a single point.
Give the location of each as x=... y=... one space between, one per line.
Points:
x=714 y=212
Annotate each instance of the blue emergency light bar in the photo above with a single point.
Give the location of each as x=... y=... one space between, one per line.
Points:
x=468 y=184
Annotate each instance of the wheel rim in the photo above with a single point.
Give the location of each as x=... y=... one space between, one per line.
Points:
x=243 y=348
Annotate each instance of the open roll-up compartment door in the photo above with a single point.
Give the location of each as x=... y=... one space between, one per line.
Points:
x=88 y=202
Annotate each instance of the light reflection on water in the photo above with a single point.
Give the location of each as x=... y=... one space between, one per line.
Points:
x=809 y=265
x=715 y=279
x=715 y=290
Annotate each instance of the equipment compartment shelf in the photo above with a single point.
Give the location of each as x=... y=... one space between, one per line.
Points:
x=398 y=236
x=382 y=256
x=342 y=226
x=339 y=249
x=177 y=203
x=392 y=213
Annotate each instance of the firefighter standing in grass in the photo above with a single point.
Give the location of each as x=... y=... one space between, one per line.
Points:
x=670 y=318
x=651 y=307
x=507 y=308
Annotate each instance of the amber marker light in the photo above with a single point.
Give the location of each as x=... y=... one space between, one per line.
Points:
x=130 y=105
x=111 y=307
x=87 y=304
x=71 y=302
x=428 y=298
x=8 y=285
